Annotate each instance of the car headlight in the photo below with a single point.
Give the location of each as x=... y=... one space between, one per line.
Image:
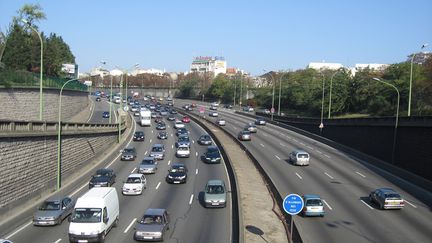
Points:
x=169 y=176
x=182 y=177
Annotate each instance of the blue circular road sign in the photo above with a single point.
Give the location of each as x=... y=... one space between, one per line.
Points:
x=293 y=204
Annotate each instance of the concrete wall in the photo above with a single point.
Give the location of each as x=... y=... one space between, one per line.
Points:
x=23 y=103
x=29 y=164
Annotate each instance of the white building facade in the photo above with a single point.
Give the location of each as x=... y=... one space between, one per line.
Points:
x=206 y=64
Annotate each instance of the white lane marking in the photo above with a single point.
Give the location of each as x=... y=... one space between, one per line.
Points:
x=158 y=185
x=133 y=170
x=262 y=145
x=18 y=230
x=168 y=126
x=327 y=156
x=150 y=140
x=309 y=147
x=172 y=146
x=302 y=144
x=171 y=134
x=360 y=174
x=193 y=141
x=288 y=136
x=196 y=154
x=169 y=162
x=152 y=131
x=414 y=206
x=319 y=151
x=366 y=204
x=327 y=204
x=129 y=226
x=196 y=172
x=127 y=145
x=295 y=140
x=281 y=144
x=298 y=176
x=278 y=157
x=145 y=152
x=331 y=177
x=57 y=241
x=191 y=198
x=77 y=190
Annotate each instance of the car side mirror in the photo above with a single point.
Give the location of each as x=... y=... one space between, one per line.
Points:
x=63 y=207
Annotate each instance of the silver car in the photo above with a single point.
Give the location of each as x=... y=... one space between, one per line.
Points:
x=251 y=128
x=153 y=225
x=147 y=166
x=53 y=211
x=387 y=198
x=299 y=157
x=244 y=136
x=215 y=195
x=158 y=151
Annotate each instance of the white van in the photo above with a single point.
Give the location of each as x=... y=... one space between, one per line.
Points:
x=94 y=214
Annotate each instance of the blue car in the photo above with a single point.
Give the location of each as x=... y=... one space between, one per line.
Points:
x=313 y=205
x=105 y=114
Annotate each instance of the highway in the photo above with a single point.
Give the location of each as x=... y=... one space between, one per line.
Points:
x=343 y=183
x=190 y=221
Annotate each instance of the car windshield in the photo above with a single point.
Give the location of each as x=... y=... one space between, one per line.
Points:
x=157 y=149
x=102 y=173
x=215 y=189
x=128 y=150
x=50 y=205
x=213 y=152
x=205 y=137
x=133 y=180
x=314 y=202
x=183 y=139
x=87 y=215
x=151 y=219
x=139 y=133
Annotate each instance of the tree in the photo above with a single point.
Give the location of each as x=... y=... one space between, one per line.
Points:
x=30 y=12
x=219 y=88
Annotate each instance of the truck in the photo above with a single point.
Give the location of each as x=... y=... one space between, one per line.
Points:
x=94 y=214
x=145 y=116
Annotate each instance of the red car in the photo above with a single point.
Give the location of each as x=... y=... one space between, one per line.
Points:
x=186 y=119
x=193 y=105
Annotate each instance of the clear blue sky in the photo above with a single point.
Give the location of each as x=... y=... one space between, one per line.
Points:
x=251 y=35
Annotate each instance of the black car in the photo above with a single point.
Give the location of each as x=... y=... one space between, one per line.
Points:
x=205 y=140
x=183 y=140
x=138 y=136
x=162 y=135
x=212 y=155
x=227 y=106
x=98 y=99
x=105 y=114
x=177 y=174
x=129 y=154
x=102 y=178
x=161 y=126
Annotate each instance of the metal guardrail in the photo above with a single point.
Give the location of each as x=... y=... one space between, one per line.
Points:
x=10 y=128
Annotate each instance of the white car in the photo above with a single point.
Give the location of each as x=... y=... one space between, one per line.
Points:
x=221 y=122
x=183 y=151
x=213 y=114
x=134 y=185
x=179 y=124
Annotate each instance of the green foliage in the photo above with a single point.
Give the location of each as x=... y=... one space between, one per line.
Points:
x=187 y=88
x=21 y=48
x=220 y=88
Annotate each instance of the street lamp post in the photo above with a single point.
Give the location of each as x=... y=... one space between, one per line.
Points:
x=59 y=136
x=235 y=90
x=273 y=92
x=241 y=91
x=411 y=76
x=321 y=126
x=330 y=95
x=41 y=68
x=280 y=90
x=397 y=116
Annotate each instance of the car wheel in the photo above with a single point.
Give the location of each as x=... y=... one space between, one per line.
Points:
x=102 y=239
x=116 y=222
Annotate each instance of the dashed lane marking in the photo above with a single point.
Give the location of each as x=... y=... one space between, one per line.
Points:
x=158 y=185
x=327 y=204
x=299 y=176
x=360 y=174
x=331 y=177
x=129 y=226
x=369 y=206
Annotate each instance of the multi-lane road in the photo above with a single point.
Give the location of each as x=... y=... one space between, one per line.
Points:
x=190 y=221
x=342 y=182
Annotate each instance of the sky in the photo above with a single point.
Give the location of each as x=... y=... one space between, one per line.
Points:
x=252 y=35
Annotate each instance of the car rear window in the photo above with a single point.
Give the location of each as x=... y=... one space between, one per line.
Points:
x=392 y=196
x=303 y=156
x=314 y=202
